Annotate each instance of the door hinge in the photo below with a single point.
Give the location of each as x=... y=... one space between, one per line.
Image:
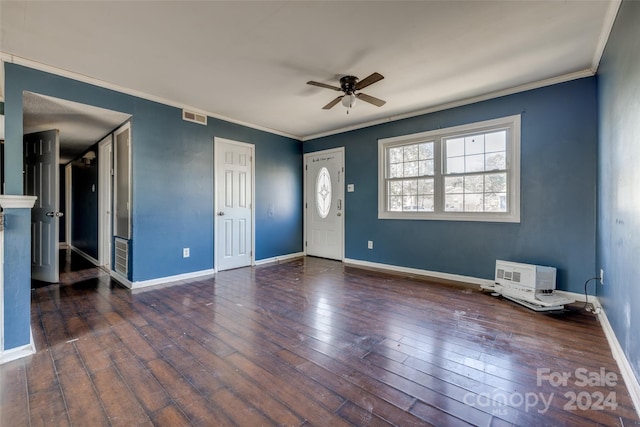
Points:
x=305 y=244
x=250 y=253
x=306 y=167
x=306 y=206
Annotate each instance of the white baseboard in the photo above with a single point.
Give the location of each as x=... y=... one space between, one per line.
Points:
x=161 y=280
x=623 y=363
x=85 y=256
x=18 y=352
x=419 y=272
x=278 y=259
x=120 y=279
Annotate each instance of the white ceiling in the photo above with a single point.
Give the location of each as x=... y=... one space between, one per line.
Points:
x=80 y=125
x=249 y=61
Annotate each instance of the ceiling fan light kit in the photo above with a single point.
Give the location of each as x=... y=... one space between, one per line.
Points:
x=350 y=85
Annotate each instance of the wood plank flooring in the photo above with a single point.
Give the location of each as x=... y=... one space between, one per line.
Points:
x=306 y=342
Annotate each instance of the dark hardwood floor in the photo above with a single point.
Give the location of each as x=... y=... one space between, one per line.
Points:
x=307 y=342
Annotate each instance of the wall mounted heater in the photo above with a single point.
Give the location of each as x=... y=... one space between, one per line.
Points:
x=530 y=285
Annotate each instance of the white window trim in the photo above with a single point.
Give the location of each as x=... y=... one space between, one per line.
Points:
x=438 y=135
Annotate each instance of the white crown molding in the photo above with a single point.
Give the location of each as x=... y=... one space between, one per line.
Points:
x=17 y=202
x=607 y=26
x=460 y=103
x=13 y=59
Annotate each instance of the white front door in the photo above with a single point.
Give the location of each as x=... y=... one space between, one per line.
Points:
x=233 y=204
x=324 y=204
x=42 y=179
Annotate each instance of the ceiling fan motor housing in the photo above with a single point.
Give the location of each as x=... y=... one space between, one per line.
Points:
x=348 y=84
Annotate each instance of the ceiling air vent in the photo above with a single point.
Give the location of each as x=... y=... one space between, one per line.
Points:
x=190 y=116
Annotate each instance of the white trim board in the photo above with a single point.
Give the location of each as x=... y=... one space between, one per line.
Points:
x=18 y=352
x=630 y=380
x=85 y=255
x=161 y=280
x=463 y=280
x=279 y=259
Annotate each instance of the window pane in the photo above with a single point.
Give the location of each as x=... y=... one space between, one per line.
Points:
x=411 y=169
x=495 y=161
x=471 y=172
x=495 y=141
x=495 y=202
x=425 y=203
x=395 y=188
x=453 y=185
x=409 y=187
x=496 y=183
x=426 y=150
x=453 y=203
x=410 y=203
x=395 y=203
x=425 y=186
x=474 y=163
x=473 y=203
x=473 y=184
x=411 y=153
x=395 y=171
x=455 y=147
x=426 y=167
x=455 y=165
x=395 y=154
x=474 y=144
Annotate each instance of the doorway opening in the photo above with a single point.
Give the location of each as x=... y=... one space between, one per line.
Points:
x=75 y=182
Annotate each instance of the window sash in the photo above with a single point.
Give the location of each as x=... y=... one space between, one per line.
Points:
x=500 y=171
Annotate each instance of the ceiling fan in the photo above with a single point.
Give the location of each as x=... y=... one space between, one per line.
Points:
x=349 y=85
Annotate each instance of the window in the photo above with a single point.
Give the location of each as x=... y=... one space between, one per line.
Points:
x=463 y=173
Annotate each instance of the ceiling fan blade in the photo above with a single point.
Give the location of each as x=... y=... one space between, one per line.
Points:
x=371 y=100
x=375 y=77
x=332 y=103
x=324 y=85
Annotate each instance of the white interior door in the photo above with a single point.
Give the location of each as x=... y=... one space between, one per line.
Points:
x=324 y=204
x=234 y=204
x=105 y=172
x=42 y=179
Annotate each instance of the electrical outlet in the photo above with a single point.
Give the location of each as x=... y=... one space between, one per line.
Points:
x=602 y=276
x=370 y=244
x=185 y=253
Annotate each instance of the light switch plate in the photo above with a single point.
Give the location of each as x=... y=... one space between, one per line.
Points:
x=351 y=188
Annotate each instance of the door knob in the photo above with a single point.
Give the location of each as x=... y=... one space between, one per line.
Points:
x=57 y=214
x=50 y=214
x=220 y=213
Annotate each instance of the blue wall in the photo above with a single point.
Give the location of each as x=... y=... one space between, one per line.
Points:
x=173 y=176
x=558 y=182
x=172 y=183
x=619 y=178
x=17 y=290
